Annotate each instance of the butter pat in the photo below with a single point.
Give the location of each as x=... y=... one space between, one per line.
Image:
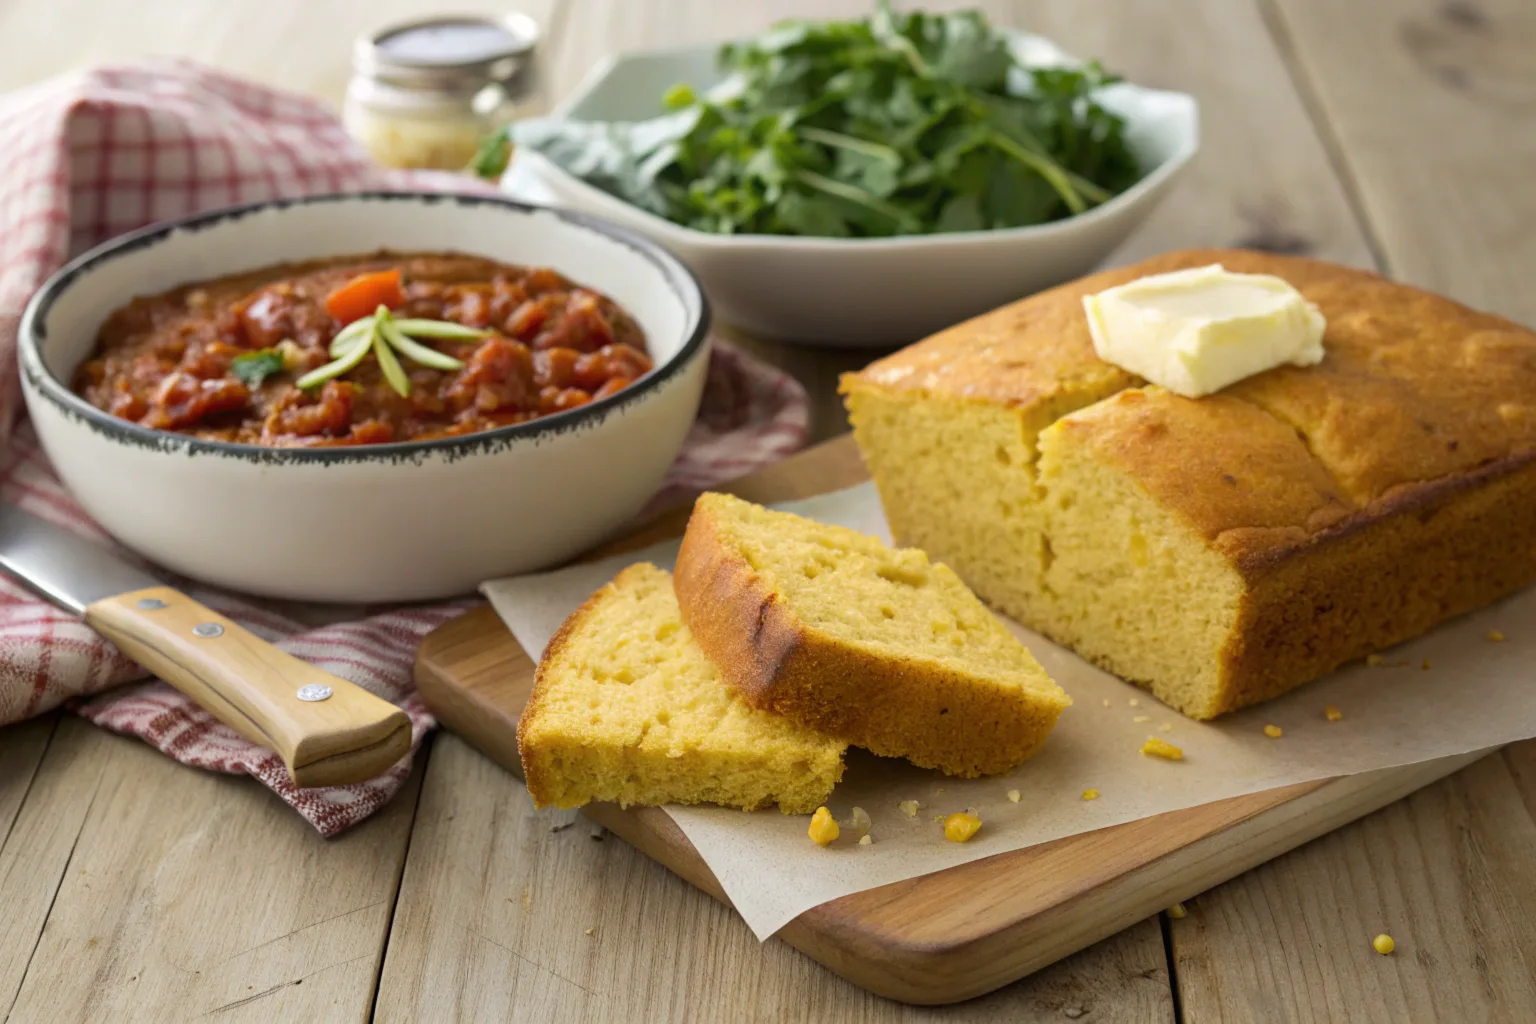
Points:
x=1196 y=331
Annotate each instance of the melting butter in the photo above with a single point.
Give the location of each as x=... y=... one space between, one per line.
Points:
x=1196 y=331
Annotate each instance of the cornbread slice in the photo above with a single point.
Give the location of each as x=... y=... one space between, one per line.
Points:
x=1224 y=550
x=879 y=647
x=626 y=708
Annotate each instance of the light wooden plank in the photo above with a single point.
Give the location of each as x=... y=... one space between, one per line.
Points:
x=497 y=900
x=187 y=893
x=21 y=751
x=294 y=44
x=40 y=836
x=1447 y=873
x=1433 y=108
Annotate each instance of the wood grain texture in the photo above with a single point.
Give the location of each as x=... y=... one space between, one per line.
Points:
x=498 y=898
x=1431 y=107
x=1445 y=872
x=172 y=893
x=252 y=687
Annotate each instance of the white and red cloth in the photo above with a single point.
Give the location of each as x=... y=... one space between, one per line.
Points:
x=96 y=153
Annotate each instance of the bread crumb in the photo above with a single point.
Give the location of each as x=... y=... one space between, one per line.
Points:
x=1135 y=702
x=1090 y=794
x=1383 y=944
x=938 y=789
x=1332 y=713
x=1177 y=912
x=823 y=829
x=1013 y=796
x=1155 y=747
x=959 y=828
x=1142 y=718
x=1494 y=637
x=1424 y=667
x=1274 y=732
x=865 y=840
x=1106 y=702
x=909 y=808
x=1373 y=660
x=1165 y=727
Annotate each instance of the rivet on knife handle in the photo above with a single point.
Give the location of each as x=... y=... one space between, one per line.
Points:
x=256 y=689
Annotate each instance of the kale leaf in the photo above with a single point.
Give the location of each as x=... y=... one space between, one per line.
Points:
x=896 y=124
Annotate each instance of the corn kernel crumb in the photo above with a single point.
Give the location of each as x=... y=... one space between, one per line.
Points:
x=1496 y=637
x=1162 y=748
x=589 y=931
x=858 y=822
x=1374 y=660
x=1142 y=718
x=960 y=827
x=1332 y=713
x=1177 y=912
x=1106 y=702
x=1383 y=944
x=1424 y=667
x=823 y=828
x=1135 y=702
x=1274 y=732
x=865 y=840
x=1165 y=727
x=1014 y=796
x=1090 y=794
x=909 y=808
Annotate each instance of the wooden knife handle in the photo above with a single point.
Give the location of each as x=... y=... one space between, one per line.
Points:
x=253 y=687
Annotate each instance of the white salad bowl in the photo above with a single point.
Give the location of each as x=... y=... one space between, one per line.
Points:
x=840 y=291
x=385 y=522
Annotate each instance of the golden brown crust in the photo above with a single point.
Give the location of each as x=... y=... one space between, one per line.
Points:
x=933 y=717
x=1421 y=558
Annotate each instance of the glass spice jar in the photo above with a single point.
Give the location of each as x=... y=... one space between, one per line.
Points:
x=425 y=94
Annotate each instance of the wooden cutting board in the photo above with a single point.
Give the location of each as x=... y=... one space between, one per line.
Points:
x=967 y=930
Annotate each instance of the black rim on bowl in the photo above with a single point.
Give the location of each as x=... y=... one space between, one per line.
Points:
x=33 y=335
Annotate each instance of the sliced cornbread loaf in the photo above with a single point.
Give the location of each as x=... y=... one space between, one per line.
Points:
x=626 y=708
x=1222 y=550
x=877 y=646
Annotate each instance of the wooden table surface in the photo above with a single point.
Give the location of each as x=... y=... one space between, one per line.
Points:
x=1394 y=133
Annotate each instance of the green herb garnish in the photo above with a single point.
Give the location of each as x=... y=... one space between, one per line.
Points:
x=254 y=367
x=896 y=124
x=384 y=336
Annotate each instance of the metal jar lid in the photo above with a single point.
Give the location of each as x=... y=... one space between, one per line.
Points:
x=447 y=52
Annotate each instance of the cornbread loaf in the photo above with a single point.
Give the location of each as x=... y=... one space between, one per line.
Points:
x=1223 y=550
x=879 y=647
x=626 y=708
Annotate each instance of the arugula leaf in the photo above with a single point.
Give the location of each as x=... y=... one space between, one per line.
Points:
x=254 y=367
x=895 y=124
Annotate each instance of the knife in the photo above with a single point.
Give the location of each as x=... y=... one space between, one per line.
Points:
x=327 y=730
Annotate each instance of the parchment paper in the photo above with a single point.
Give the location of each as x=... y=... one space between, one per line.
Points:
x=1451 y=692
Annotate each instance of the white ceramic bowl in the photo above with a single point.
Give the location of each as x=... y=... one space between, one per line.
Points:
x=371 y=523
x=833 y=291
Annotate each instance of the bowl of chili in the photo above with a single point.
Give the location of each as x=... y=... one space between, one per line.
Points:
x=366 y=397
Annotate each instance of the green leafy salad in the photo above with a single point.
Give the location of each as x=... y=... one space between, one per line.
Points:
x=896 y=124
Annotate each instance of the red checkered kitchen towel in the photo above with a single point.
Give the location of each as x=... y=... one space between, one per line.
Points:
x=96 y=153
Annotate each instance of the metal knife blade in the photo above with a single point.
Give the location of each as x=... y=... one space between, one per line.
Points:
x=68 y=570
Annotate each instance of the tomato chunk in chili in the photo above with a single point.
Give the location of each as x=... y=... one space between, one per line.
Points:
x=547 y=344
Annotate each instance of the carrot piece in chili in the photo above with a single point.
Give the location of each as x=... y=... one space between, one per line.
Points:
x=365 y=293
